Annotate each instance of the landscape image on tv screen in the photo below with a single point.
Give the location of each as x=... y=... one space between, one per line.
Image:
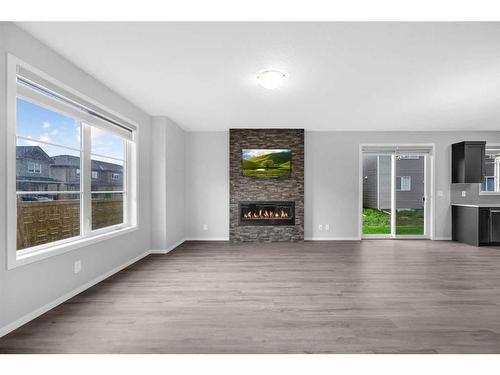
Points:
x=266 y=162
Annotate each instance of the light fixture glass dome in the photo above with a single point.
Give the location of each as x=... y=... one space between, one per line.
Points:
x=271 y=78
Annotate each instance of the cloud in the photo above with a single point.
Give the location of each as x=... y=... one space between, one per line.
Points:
x=46 y=125
x=54 y=132
x=247 y=154
x=31 y=143
x=45 y=137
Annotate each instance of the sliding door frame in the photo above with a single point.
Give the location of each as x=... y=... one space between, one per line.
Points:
x=429 y=188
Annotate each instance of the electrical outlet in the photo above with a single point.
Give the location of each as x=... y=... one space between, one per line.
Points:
x=205 y=226
x=327 y=226
x=78 y=266
x=320 y=227
x=440 y=193
x=464 y=193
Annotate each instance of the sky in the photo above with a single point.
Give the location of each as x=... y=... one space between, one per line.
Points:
x=250 y=153
x=38 y=123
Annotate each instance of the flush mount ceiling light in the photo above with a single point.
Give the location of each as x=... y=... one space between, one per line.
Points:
x=271 y=78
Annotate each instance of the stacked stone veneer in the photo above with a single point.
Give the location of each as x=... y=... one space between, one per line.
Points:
x=266 y=188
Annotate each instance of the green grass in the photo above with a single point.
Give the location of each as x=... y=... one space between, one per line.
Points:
x=410 y=229
x=373 y=229
x=271 y=172
x=379 y=222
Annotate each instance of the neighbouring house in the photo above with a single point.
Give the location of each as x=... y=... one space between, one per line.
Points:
x=377 y=182
x=37 y=171
x=66 y=168
x=33 y=170
x=106 y=176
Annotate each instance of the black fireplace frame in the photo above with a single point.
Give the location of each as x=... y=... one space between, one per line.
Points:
x=290 y=205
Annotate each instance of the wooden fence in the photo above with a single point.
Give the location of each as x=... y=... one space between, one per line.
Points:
x=43 y=222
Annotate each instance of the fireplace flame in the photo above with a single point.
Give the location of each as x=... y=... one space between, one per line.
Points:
x=266 y=214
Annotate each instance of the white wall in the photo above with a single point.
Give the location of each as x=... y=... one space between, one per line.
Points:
x=168 y=184
x=207 y=185
x=29 y=287
x=331 y=179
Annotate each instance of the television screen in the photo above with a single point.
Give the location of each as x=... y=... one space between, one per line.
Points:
x=266 y=162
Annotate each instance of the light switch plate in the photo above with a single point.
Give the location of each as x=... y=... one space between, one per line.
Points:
x=320 y=227
x=327 y=226
x=205 y=226
x=464 y=193
x=440 y=193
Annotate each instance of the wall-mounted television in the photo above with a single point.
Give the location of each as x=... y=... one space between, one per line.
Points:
x=266 y=162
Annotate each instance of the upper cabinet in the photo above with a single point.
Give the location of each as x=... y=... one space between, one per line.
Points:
x=468 y=162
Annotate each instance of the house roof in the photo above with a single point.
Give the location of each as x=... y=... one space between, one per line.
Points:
x=32 y=152
x=37 y=153
x=97 y=165
x=37 y=179
x=66 y=161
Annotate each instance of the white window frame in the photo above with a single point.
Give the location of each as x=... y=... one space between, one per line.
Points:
x=87 y=236
x=95 y=175
x=77 y=171
x=34 y=169
x=408 y=178
x=115 y=176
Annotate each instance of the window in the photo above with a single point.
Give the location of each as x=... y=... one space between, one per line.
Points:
x=488 y=184
x=34 y=167
x=491 y=183
x=53 y=135
x=403 y=183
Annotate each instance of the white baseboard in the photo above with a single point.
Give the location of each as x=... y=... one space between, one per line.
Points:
x=332 y=238
x=207 y=239
x=442 y=238
x=168 y=249
x=42 y=310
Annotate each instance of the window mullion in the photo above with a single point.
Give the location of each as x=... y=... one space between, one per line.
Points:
x=86 y=179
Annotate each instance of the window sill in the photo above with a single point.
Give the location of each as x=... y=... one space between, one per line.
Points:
x=17 y=260
x=489 y=193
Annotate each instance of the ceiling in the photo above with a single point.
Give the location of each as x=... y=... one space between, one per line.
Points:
x=342 y=76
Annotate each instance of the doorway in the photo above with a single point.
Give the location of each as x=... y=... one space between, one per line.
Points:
x=395 y=191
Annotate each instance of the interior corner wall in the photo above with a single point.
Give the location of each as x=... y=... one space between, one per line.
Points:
x=207 y=185
x=168 y=184
x=29 y=288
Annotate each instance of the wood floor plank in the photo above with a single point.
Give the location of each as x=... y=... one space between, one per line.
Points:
x=308 y=297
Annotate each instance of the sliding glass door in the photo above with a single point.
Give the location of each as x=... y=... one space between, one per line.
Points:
x=377 y=207
x=410 y=195
x=395 y=194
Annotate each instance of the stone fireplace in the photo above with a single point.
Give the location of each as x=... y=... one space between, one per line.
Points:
x=266 y=209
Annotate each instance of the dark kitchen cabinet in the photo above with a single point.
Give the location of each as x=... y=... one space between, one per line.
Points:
x=494 y=225
x=484 y=227
x=468 y=162
x=475 y=225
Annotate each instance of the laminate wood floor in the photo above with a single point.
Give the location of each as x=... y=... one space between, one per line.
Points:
x=310 y=297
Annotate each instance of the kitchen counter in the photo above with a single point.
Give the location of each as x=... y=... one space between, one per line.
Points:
x=476 y=224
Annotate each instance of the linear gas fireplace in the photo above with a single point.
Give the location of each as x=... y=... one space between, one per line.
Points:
x=267 y=213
